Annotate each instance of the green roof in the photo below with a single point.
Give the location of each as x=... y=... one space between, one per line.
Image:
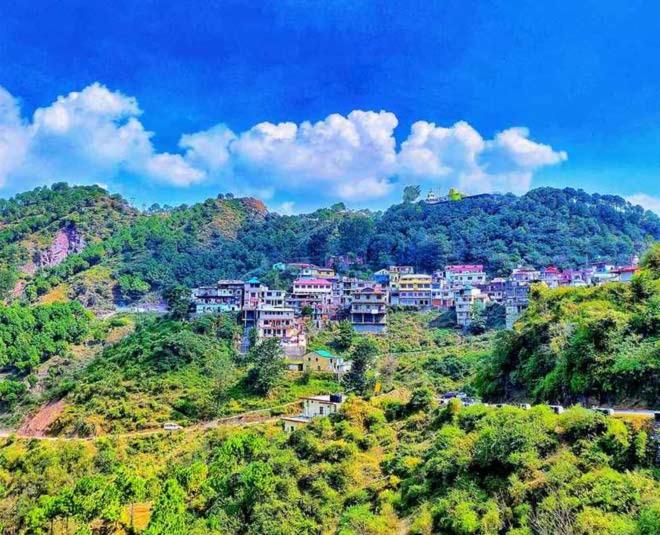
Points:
x=325 y=354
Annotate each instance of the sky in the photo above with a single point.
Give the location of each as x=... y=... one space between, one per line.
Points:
x=303 y=103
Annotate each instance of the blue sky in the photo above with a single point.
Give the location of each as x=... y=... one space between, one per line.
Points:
x=505 y=96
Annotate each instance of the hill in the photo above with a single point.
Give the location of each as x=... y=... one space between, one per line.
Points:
x=82 y=243
x=593 y=345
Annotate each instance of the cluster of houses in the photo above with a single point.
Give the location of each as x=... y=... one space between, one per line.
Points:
x=319 y=294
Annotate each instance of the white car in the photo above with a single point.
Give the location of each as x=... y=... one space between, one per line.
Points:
x=171 y=426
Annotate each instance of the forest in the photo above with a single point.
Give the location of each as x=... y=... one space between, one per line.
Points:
x=130 y=255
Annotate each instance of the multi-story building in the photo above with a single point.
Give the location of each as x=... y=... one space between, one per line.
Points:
x=525 y=274
x=516 y=301
x=495 y=290
x=465 y=274
x=550 y=275
x=369 y=310
x=382 y=277
x=468 y=298
x=442 y=295
x=415 y=290
x=281 y=323
x=224 y=296
x=317 y=272
x=395 y=273
x=313 y=293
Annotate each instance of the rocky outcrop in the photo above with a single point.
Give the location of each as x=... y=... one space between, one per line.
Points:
x=67 y=241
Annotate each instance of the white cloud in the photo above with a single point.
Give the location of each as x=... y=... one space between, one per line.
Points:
x=645 y=201
x=96 y=135
x=459 y=154
x=14 y=137
x=335 y=157
x=286 y=208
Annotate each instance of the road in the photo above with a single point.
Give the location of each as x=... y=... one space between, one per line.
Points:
x=243 y=419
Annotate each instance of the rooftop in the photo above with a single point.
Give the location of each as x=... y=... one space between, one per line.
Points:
x=464 y=267
x=309 y=282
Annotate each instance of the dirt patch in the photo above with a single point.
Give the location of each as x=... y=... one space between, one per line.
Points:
x=37 y=424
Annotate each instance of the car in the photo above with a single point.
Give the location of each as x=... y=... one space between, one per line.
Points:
x=525 y=406
x=557 y=409
x=171 y=426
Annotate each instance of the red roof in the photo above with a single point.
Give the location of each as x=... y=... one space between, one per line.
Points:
x=551 y=269
x=309 y=282
x=464 y=267
x=625 y=269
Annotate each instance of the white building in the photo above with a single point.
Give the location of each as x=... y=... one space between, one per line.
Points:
x=465 y=274
x=467 y=299
x=313 y=407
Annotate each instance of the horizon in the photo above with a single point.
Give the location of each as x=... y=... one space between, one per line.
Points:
x=303 y=108
x=146 y=206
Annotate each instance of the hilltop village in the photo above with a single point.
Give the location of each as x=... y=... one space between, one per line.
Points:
x=463 y=294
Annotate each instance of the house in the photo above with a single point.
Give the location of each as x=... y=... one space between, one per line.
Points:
x=465 y=274
x=494 y=290
x=516 y=301
x=320 y=360
x=382 y=277
x=281 y=323
x=316 y=272
x=224 y=296
x=467 y=299
x=313 y=407
x=550 y=275
x=442 y=295
x=525 y=274
x=625 y=273
x=415 y=290
x=369 y=310
x=313 y=293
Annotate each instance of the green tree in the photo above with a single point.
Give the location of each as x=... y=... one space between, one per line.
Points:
x=360 y=377
x=268 y=365
x=178 y=301
x=344 y=339
x=411 y=193
x=168 y=516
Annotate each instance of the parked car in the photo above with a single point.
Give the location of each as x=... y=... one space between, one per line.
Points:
x=171 y=426
x=557 y=409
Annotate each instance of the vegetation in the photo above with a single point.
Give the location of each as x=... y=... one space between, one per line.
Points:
x=142 y=255
x=596 y=344
x=489 y=471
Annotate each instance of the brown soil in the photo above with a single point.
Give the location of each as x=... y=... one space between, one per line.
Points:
x=37 y=425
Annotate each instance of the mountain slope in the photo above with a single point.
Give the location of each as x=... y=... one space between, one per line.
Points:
x=82 y=243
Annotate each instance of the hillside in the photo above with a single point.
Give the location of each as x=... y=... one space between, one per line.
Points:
x=592 y=345
x=82 y=243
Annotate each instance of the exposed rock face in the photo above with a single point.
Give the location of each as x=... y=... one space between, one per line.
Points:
x=67 y=241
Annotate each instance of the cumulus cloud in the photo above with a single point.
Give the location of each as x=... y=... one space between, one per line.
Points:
x=459 y=154
x=338 y=157
x=645 y=201
x=89 y=135
x=96 y=135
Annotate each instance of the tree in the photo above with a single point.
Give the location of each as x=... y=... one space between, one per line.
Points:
x=411 y=193
x=168 y=517
x=454 y=195
x=360 y=377
x=345 y=337
x=268 y=365
x=178 y=301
